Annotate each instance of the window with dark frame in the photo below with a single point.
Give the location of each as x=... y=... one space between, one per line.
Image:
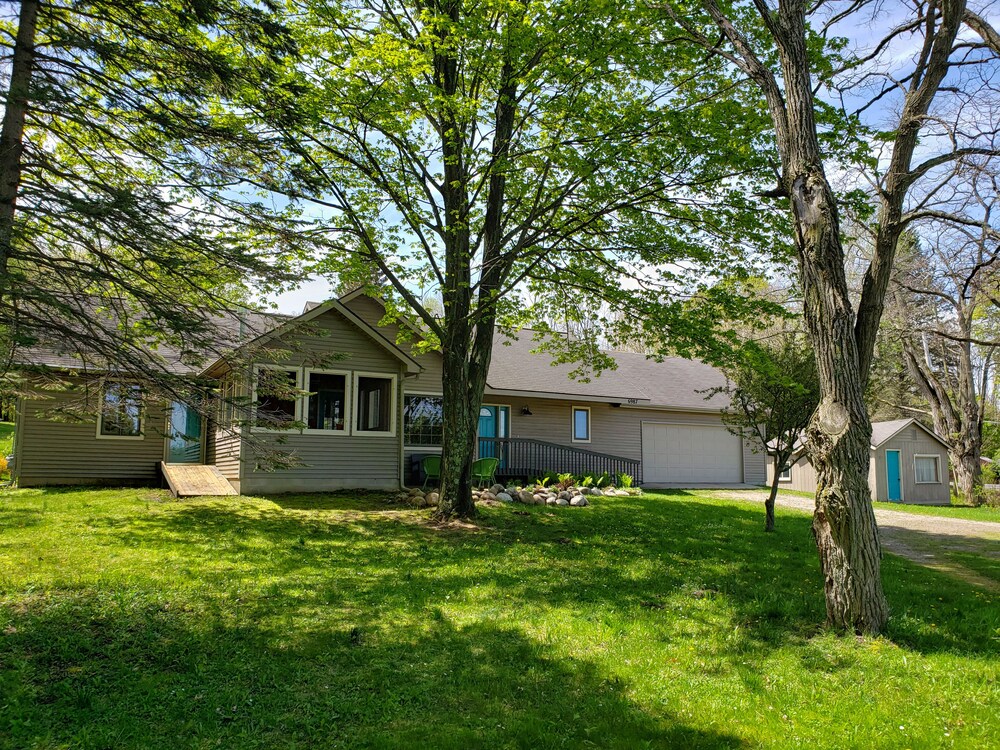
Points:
x=785 y=475
x=423 y=421
x=276 y=395
x=121 y=410
x=328 y=402
x=374 y=399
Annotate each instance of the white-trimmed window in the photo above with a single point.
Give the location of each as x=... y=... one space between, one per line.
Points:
x=927 y=469
x=329 y=396
x=276 y=392
x=121 y=415
x=785 y=475
x=581 y=424
x=374 y=404
x=423 y=420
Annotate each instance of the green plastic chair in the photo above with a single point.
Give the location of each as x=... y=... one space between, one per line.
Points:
x=432 y=468
x=484 y=470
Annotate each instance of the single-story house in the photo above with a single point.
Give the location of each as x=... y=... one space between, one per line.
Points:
x=909 y=464
x=371 y=416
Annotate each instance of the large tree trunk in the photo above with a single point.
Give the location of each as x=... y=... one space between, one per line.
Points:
x=463 y=383
x=840 y=431
x=844 y=522
x=968 y=472
x=12 y=131
x=460 y=422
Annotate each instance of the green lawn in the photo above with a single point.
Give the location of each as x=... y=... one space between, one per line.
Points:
x=129 y=620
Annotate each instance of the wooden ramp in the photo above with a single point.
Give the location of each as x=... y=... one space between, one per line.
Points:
x=193 y=480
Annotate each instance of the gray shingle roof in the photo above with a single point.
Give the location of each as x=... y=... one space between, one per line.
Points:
x=882 y=431
x=232 y=329
x=674 y=382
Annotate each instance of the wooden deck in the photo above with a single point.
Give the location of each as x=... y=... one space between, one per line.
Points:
x=194 y=480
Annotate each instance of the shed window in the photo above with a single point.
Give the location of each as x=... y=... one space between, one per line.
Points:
x=327 y=402
x=374 y=404
x=581 y=424
x=785 y=475
x=276 y=394
x=927 y=469
x=121 y=410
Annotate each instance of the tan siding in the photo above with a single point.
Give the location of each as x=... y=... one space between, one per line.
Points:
x=803 y=476
x=754 y=461
x=226 y=453
x=616 y=431
x=332 y=334
x=331 y=461
x=55 y=452
x=429 y=380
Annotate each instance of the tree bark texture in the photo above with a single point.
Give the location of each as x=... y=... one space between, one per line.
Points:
x=462 y=389
x=769 y=503
x=12 y=130
x=840 y=431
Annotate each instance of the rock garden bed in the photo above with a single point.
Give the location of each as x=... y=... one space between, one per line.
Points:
x=562 y=494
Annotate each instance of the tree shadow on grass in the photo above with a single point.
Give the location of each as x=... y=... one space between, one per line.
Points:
x=669 y=553
x=90 y=670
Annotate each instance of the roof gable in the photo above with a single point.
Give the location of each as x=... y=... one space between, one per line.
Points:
x=883 y=432
x=412 y=366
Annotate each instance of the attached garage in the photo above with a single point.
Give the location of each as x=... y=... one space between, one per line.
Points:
x=690 y=454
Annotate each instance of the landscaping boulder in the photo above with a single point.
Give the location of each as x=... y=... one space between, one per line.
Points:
x=538 y=499
x=585 y=490
x=503 y=497
x=595 y=492
x=562 y=500
x=487 y=497
x=526 y=497
x=496 y=489
x=565 y=495
x=579 y=501
x=550 y=500
x=432 y=499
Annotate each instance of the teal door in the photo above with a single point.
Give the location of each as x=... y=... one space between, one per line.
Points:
x=184 y=446
x=487 y=429
x=892 y=477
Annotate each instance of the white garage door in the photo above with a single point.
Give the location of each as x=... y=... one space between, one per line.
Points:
x=696 y=454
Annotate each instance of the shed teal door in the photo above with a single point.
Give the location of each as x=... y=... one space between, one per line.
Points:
x=184 y=445
x=892 y=477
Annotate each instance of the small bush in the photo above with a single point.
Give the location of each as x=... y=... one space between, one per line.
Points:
x=991 y=474
x=990 y=498
x=3 y=465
